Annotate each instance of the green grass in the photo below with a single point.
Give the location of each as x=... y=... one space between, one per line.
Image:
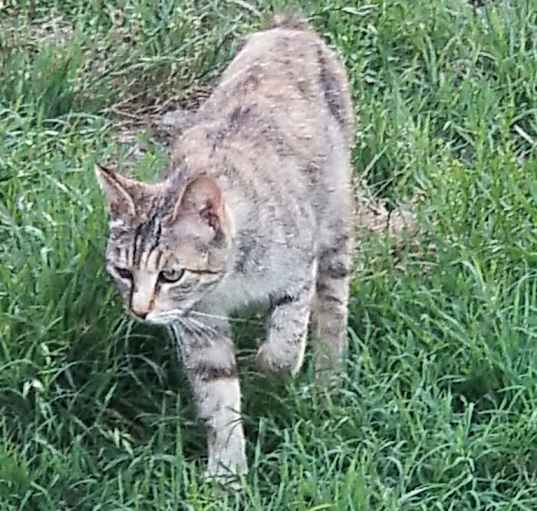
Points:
x=438 y=409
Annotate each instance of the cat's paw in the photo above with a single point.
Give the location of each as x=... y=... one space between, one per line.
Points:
x=273 y=360
x=225 y=483
x=224 y=478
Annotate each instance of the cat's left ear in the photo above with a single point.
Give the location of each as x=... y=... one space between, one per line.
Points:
x=202 y=197
x=120 y=191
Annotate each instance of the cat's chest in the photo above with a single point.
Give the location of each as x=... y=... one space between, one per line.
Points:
x=239 y=290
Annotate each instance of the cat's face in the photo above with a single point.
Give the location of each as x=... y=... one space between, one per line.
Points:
x=165 y=252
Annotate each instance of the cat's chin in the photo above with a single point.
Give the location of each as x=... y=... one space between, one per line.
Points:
x=158 y=319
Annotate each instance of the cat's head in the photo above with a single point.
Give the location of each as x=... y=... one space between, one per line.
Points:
x=168 y=244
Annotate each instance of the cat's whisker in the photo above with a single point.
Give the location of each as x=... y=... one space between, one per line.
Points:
x=189 y=326
x=176 y=316
x=164 y=317
x=203 y=327
x=188 y=332
x=171 y=315
x=200 y=324
x=224 y=318
x=200 y=335
x=182 y=327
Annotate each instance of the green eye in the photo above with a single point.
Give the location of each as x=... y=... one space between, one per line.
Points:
x=171 y=276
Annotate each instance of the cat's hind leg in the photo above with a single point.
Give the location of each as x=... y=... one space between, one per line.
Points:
x=329 y=316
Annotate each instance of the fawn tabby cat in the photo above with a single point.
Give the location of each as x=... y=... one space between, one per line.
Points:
x=256 y=207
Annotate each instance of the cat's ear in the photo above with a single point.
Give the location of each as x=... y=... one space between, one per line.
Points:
x=202 y=197
x=120 y=191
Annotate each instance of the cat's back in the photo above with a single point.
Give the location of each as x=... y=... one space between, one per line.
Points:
x=276 y=135
x=288 y=84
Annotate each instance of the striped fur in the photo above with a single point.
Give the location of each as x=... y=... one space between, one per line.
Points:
x=256 y=207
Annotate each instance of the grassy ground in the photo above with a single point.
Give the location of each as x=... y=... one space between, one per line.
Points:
x=438 y=410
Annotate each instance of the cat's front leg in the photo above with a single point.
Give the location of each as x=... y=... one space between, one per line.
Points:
x=209 y=358
x=283 y=351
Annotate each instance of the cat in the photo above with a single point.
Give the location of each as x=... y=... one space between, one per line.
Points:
x=256 y=207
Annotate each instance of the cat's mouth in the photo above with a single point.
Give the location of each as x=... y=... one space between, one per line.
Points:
x=162 y=318
x=159 y=317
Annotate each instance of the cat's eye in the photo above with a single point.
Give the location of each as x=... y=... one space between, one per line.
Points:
x=123 y=273
x=171 y=276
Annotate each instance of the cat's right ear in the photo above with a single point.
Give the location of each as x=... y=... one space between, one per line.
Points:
x=118 y=190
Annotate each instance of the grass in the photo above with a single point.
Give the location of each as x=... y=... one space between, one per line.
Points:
x=438 y=408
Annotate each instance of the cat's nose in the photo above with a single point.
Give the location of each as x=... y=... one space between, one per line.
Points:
x=139 y=313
